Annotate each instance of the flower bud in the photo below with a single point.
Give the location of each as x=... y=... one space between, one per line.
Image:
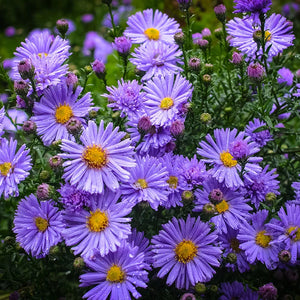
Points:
x=54 y=250
x=203 y=44
x=209 y=209
x=195 y=64
x=206 y=79
x=298 y=73
x=62 y=26
x=71 y=79
x=237 y=58
x=218 y=33
x=122 y=45
x=205 y=118
x=144 y=124
x=213 y=288
x=188 y=296
x=179 y=38
x=29 y=126
x=55 y=161
x=200 y=288
x=284 y=256
x=270 y=197
x=20 y=103
x=231 y=258
x=256 y=72
x=43 y=191
x=78 y=263
x=99 y=68
x=26 y=69
x=187 y=196
x=44 y=175
x=21 y=88
x=177 y=128
x=184 y=4
x=220 y=11
x=268 y=292
x=93 y=114
x=206 y=34
x=74 y=125
x=9 y=240
x=216 y=195
x=209 y=68
x=170 y=147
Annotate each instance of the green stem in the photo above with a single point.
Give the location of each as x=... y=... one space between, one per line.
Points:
x=263 y=41
x=112 y=21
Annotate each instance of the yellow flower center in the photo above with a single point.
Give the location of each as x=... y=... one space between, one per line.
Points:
x=141 y=183
x=227 y=159
x=185 y=251
x=152 y=33
x=173 y=182
x=166 y=103
x=295 y=230
x=41 y=224
x=257 y=35
x=97 y=221
x=234 y=244
x=95 y=157
x=5 y=168
x=262 y=239
x=115 y=274
x=41 y=54
x=268 y=36
x=222 y=206
x=63 y=113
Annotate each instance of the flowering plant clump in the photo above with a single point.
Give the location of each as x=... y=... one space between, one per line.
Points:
x=155 y=156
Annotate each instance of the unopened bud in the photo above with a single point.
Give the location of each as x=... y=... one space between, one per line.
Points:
x=270 y=197
x=179 y=38
x=187 y=196
x=200 y=288
x=231 y=258
x=209 y=209
x=21 y=88
x=206 y=79
x=205 y=118
x=29 y=126
x=78 y=263
x=55 y=161
x=284 y=256
x=44 y=175
x=220 y=11
x=62 y=26
x=195 y=64
x=26 y=69
x=74 y=126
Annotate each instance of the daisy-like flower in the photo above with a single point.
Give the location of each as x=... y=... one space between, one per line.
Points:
x=288 y=229
x=236 y=290
x=261 y=138
x=225 y=153
x=230 y=206
x=230 y=244
x=184 y=250
x=147 y=182
x=285 y=76
x=252 y=6
x=103 y=158
x=126 y=98
x=278 y=35
x=38 y=226
x=14 y=167
x=99 y=230
x=47 y=54
x=115 y=275
x=146 y=26
x=57 y=106
x=258 y=242
x=165 y=96
x=176 y=183
x=257 y=186
x=157 y=59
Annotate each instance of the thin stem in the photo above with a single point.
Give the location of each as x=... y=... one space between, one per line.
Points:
x=263 y=41
x=112 y=21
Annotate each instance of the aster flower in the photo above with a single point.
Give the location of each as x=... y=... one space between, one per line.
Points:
x=285 y=76
x=193 y=172
x=47 y=54
x=120 y=15
x=261 y=138
x=257 y=186
x=230 y=147
x=151 y=26
x=99 y=230
x=157 y=58
x=72 y=198
x=16 y=116
x=176 y=182
x=101 y=160
x=127 y=98
x=230 y=206
x=296 y=187
x=2 y=114
x=38 y=226
x=14 y=167
x=147 y=182
x=230 y=244
x=278 y=35
x=236 y=290
x=252 y=6
x=57 y=106
x=287 y=229
x=184 y=251
x=165 y=96
x=258 y=242
x=116 y=275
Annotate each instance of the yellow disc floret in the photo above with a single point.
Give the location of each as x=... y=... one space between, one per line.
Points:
x=41 y=54
x=5 y=168
x=115 y=274
x=222 y=206
x=41 y=224
x=97 y=221
x=152 y=34
x=268 y=36
x=166 y=103
x=95 y=157
x=262 y=239
x=173 y=182
x=295 y=232
x=227 y=159
x=235 y=245
x=141 y=183
x=63 y=113
x=185 y=251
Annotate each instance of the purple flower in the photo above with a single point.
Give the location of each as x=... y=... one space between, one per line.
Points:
x=252 y=6
x=151 y=26
x=196 y=36
x=102 y=160
x=87 y=18
x=122 y=45
x=120 y=15
x=258 y=242
x=73 y=199
x=147 y=182
x=10 y=31
x=157 y=59
x=126 y=98
x=99 y=230
x=296 y=187
x=38 y=226
x=226 y=167
x=230 y=206
x=268 y=291
x=278 y=35
x=285 y=76
x=14 y=167
x=236 y=290
x=256 y=71
x=2 y=114
x=17 y=116
x=165 y=96
x=262 y=137
x=116 y=275
x=290 y=10
x=57 y=106
x=287 y=229
x=257 y=186
x=184 y=250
